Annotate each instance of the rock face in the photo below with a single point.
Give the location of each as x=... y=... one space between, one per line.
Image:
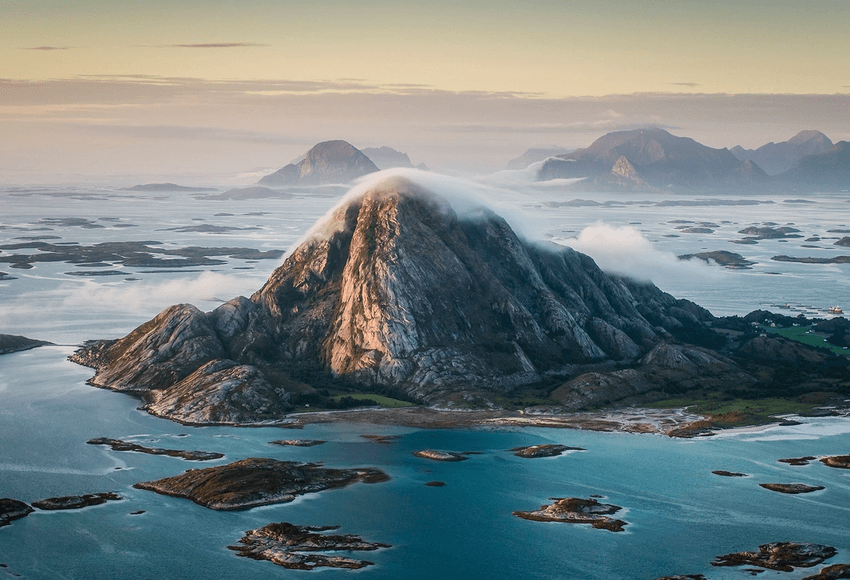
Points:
x=327 y=162
x=653 y=158
x=574 y=510
x=397 y=291
x=299 y=547
x=257 y=481
x=394 y=289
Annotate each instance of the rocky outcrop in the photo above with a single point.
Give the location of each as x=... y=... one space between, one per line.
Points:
x=12 y=509
x=75 y=502
x=257 y=481
x=434 y=455
x=838 y=461
x=118 y=445
x=834 y=572
x=724 y=473
x=782 y=556
x=398 y=291
x=300 y=547
x=298 y=442
x=327 y=162
x=545 y=450
x=791 y=488
x=798 y=460
x=10 y=343
x=574 y=510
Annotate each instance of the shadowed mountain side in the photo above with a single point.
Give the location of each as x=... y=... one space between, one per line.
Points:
x=828 y=171
x=395 y=292
x=327 y=162
x=652 y=158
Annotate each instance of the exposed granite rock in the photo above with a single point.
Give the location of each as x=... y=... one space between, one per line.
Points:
x=12 y=343
x=118 y=445
x=257 y=481
x=782 y=556
x=12 y=509
x=440 y=455
x=798 y=460
x=834 y=572
x=545 y=450
x=725 y=473
x=791 y=488
x=297 y=547
x=327 y=162
x=298 y=442
x=839 y=461
x=74 y=502
x=396 y=292
x=574 y=510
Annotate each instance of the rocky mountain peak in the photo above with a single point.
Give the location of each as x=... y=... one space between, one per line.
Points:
x=327 y=162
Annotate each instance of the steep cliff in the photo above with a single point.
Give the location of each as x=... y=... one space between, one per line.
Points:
x=396 y=290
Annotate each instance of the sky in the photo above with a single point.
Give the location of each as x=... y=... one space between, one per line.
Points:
x=228 y=89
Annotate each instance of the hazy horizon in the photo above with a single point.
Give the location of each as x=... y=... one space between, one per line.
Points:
x=118 y=90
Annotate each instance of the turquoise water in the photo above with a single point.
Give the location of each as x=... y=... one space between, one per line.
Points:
x=680 y=515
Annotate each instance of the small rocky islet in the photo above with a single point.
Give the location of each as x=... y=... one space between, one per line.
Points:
x=13 y=509
x=544 y=450
x=119 y=445
x=300 y=547
x=435 y=455
x=781 y=556
x=791 y=488
x=298 y=442
x=574 y=510
x=255 y=482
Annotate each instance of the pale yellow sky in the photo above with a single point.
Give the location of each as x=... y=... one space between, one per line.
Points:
x=165 y=87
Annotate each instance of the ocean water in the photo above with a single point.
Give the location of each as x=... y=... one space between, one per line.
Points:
x=680 y=515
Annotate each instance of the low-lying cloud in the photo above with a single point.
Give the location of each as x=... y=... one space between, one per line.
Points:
x=625 y=251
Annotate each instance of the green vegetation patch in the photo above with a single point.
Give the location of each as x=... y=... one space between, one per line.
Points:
x=806 y=335
x=385 y=402
x=725 y=412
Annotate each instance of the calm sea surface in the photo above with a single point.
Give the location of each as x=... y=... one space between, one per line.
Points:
x=680 y=515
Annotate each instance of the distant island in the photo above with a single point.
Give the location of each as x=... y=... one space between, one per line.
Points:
x=163 y=187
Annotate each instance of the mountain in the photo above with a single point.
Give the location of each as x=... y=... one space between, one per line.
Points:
x=397 y=293
x=327 y=162
x=387 y=157
x=829 y=171
x=777 y=158
x=653 y=158
x=533 y=155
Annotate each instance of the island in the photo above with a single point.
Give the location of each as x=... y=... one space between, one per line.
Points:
x=10 y=343
x=798 y=460
x=574 y=510
x=75 y=502
x=299 y=547
x=545 y=450
x=13 y=509
x=298 y=442
x=834 y=572
x=791 y=488
x=440 y=455
x=119 y=445
x=256 y=481
x=724 y=473
x=782 y=556
x=838 y=461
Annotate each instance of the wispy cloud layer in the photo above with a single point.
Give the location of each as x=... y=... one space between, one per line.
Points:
x=47 y=48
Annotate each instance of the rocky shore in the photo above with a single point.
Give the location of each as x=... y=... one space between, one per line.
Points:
x=257 y=481
x=119 y=445
x=574 y=510
x=300 y=547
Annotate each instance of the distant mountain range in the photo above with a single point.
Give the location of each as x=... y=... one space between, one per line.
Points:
x=776 y=158
x=535 y=154
x=653 y=159
x=337 y=162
